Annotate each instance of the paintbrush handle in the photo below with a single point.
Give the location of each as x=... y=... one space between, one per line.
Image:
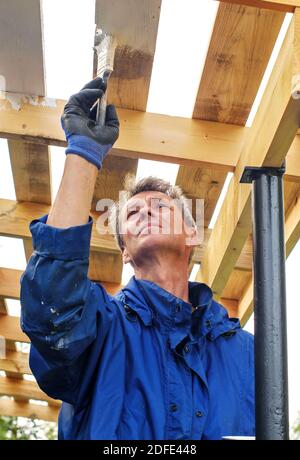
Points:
x=102 y=103
x=101 y=109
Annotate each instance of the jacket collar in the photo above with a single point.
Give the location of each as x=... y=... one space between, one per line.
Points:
x=174 y=315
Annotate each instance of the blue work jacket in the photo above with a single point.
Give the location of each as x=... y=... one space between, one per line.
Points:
x=136 y=365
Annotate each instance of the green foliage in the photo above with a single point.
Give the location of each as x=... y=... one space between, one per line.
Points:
x=22 y=428
x=296 y=428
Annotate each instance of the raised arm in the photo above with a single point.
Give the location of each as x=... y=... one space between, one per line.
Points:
x=88 y=144
x=66 y=315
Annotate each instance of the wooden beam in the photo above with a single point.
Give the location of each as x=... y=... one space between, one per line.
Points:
x=13 y=408
x=292 y=225
x=236 y=282
x=30 y=165
x=240 y=48
x=10 y=283
x=202 y=183
x=105 y=267
x=142 y=135
x=15 y=362
x=273 y=131
x=3 y=307
x=134 y=24
x=287 y=6
x=15 y=218
x=111 y=177
x=292 y=162
x=292 y=236
x=9 y=344
x=10 y=329
x=231 y=306
x=24 y=389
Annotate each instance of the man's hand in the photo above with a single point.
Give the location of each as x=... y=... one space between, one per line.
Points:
x=85 y=136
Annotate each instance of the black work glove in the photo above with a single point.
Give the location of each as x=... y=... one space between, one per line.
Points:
x=84 y=135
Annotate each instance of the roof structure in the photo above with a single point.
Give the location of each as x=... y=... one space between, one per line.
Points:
x=212 y=143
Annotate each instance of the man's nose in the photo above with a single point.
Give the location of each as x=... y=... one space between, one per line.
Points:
x=145 y=212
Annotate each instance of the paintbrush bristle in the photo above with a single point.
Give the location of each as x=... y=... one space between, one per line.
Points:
x=105 y=46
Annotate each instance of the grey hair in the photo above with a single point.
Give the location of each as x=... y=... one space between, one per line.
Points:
x=148 y=184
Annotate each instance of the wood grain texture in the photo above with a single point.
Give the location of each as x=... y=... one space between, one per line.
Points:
x=24 y=389
x=110 y=180
x=10 y=329
x=3 y=307
x=15 y=362
x=241 y=45
x=142 y=135
x=202 y=183
x=134 y=24
x=12 y=408
x=237 y=282
x=287 y=6
x=10 y=283
x=273 y=131
x=105 y=267
x=31 y=171
x=231 y=306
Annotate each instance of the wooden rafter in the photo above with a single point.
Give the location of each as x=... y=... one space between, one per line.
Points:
x=15 y=362
x=10 y=329
x=273 y=131
x=287 y=6
x=14 y=408
x=24 y=389
x=143 y=135
x=240 y=48
x=135 y=24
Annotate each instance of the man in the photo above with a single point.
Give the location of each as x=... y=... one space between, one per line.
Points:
x=160 y=359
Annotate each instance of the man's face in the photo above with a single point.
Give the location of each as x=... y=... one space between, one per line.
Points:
x=151 y=222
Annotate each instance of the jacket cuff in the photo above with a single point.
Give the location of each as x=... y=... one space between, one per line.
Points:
x=61 y=243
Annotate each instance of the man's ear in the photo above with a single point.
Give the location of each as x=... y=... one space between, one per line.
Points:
x=125 y=256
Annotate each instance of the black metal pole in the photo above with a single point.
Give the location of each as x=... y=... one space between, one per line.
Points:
x=271 y=375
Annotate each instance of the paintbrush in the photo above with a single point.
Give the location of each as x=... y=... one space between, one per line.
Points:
x=105 y=46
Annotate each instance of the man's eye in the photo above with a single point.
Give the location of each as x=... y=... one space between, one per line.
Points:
x=130 y=213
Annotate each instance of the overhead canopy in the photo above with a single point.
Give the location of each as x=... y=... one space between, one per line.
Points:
x=208 y=146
